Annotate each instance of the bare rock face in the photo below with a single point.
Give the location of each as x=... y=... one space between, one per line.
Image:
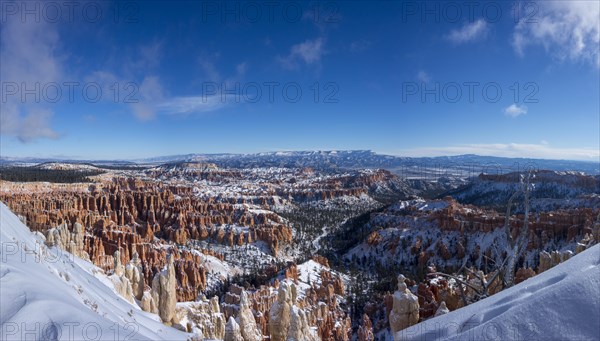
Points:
x=545 y=262
x=164 y=287
x=405 y=310
x=442 y=309
x=64 y=239
x=299 y=329
x=204 y=318
x=548 y=260
x=279 y=315
x=248 y=327
x=123 y=287
x=77 y=245
x=449 y=295
x=121 y=282
x=232 y=331
x=427 y=301
x=365 y=331
x=523 y=274
x=118 y=267
x=147 y=303
x=134 y=272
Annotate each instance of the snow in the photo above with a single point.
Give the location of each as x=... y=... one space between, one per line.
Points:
x=48 y=294
x=562 y=303
x=67 y=166
x=309 y=273
x=420 y=205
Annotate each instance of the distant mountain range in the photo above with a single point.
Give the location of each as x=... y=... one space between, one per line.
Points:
x=460 y=165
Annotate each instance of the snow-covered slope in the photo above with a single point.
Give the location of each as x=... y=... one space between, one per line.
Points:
x=562 y=303
x=48 y=294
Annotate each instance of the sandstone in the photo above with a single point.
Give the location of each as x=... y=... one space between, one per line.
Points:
x=442 y=309
x=279 y=315
x=247 y=323
x=120 y=281
x=299 y=329
x=164 y=287
x=523 y=274
x=232 y=331
x=133 y=272
x=123 y=287
x=405 y=310
x=204 y=318
x=548 y=260
x=147 y=303
x=365 y=331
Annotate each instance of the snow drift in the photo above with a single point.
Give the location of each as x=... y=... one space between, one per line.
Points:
x=562 y=303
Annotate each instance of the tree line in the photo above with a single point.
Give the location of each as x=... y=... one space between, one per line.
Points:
x=33 y=174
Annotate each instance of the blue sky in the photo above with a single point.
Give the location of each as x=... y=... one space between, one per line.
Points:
x=404 y=78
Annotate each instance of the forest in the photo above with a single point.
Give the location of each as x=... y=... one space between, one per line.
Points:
x=32 y=174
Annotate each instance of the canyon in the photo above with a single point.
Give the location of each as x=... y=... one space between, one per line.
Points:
x=305 y=253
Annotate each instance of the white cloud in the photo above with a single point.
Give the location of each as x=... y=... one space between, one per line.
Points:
x=423 y=76
x=194 y=104
x=568 y=30
x=36 y=124
x=469 y=32
x=30 y=54
x=515 y=110
x=538 y=151
x=153 y=101
x=309 y=52
x=147 y=56
x=150 y=93
x=208 y=65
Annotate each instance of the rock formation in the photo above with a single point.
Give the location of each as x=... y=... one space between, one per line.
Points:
x=523 y=274
x=232 y=331
x=548 y=260
x=204 y=318
x=71 y=241
x=147 y=303
x=121 y=283
x=442 y=309
x=247 y=323
x=299 y=329
x=134 y=272
x=405 y=310
x=119 y=269
x=279 y=315
x=365 y=331
x=164 y=287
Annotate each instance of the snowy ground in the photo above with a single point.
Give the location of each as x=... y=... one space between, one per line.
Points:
x=48 y=294
x=562 y=303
